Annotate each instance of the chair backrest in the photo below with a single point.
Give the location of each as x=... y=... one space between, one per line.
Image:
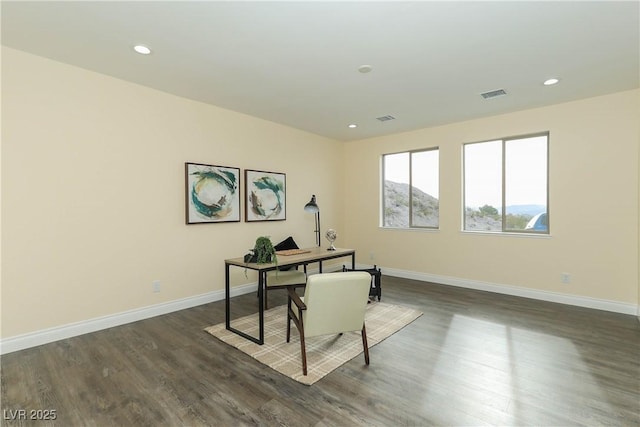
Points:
x=335 y=302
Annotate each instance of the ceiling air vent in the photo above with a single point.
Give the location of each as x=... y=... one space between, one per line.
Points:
x=493 y=93
x=385 y=118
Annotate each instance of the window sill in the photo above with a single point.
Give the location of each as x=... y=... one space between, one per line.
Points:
x=413 y=229
x=507 y=234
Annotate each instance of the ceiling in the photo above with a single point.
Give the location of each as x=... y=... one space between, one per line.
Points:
x=296 y=63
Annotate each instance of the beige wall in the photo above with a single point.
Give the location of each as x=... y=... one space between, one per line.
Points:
x=93 y=197
x=93 y=192
x=593 y=204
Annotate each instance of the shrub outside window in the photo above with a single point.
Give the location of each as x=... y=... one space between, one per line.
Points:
x=506 y=185
x=410 y=189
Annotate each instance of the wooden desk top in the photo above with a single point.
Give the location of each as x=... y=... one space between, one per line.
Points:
x=310 y=255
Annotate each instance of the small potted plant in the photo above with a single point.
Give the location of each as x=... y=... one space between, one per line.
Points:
x=264 y=251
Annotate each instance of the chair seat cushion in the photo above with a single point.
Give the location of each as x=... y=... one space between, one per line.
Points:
x=286 y=278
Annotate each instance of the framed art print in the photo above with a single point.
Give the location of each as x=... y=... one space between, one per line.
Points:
x=212 y=193
x=265 y=196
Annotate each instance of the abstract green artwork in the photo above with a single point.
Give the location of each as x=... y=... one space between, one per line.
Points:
x=266 y=196
x=212 y=193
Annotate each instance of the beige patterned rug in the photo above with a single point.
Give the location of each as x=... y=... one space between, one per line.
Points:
x=324 y=353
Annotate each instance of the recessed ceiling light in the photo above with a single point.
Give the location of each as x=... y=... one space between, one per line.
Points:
x=353 y=125
x=142 y=50
x=551 y=82
x=365 y=68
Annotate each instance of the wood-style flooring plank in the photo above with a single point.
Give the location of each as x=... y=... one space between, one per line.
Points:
x=474 y=358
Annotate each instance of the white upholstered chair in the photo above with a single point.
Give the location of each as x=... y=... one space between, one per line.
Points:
x=333 y=303
x=281 y=280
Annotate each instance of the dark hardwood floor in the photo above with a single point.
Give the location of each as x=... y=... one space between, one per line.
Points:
x=474 y=358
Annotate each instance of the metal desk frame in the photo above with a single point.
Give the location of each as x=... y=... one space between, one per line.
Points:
x=316 y=254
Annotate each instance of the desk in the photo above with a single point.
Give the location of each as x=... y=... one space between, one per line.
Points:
x=314 y=255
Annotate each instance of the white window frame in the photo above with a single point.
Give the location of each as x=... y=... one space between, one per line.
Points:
x=504 y=229
x=382 y=190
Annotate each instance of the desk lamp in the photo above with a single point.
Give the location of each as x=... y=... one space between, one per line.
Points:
x=312 y=207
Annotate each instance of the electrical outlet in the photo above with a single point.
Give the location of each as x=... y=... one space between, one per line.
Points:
x=565 y=278
x=372 y=256
x=155 y=286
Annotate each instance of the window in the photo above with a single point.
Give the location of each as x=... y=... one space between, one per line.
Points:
x=410 y=187
x=506 y=185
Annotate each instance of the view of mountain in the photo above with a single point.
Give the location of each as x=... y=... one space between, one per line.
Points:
x=530 y=210
x=425 y=211
x=425 y=206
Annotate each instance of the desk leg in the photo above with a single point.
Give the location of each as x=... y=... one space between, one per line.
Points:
x=261 y=277
x=227 y=297
x=227 y=307
x=353 y=261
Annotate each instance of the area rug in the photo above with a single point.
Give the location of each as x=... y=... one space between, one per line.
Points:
x=324 y=353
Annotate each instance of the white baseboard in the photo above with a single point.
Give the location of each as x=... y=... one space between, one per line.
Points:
x=33 y=339
x=581 y=301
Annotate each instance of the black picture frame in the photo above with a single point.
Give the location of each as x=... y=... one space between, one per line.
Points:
x=212 y=193
x=265 y=196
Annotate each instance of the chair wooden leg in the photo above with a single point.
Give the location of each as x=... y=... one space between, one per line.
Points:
x=300 y=325
x=365 y=345
x=303 y=351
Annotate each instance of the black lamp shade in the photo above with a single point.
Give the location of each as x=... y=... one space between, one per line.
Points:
x=312 y=206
